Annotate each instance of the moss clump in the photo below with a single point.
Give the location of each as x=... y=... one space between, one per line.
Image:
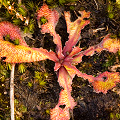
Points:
x=41 y=77
x=21 y=68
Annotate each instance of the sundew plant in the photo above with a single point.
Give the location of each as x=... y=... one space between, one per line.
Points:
x=65 y=57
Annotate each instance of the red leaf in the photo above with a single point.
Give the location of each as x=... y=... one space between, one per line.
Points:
x=74 y=29
x=111 y=45
x=74 y=51
x=52 y=16
x=14 y=32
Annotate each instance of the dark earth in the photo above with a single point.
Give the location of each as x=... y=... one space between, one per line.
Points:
x=33 y=100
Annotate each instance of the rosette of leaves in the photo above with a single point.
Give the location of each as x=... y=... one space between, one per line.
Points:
x=65 y=58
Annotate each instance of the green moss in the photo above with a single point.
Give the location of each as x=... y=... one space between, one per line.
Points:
x=30 y=84
x=16 y=101
x=21 y=78
x=26 y=29
x=23 y=109
x=113 y=36
x=117 y=115
x=61 y=2
x=31 y=25
x=9 y=66
x=15 y=42
x=110 y=7
x=72 y=7
x=30 y=5
x=47 y=111
x=111 y=15
x=118 y=1
x=3 y=71
x=19 y=108
x=43 y=20
x=40 y=77
x=5 y=2
x=16 y=21
x=4 y=99
x=111 y=115
x=50 y=1
x=21 y=68
x=22 y=10
x=110 y=61
x=46 y=75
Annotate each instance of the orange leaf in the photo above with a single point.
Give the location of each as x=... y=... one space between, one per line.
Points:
x=72 y=70
x=105 y=81
x=112 y=45
x=19 y=53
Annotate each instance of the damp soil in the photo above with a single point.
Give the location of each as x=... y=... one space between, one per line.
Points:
x=37 y=100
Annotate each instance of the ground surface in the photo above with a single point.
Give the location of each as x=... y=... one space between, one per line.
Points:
x=33 y=100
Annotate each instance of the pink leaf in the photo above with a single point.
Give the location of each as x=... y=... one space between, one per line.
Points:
x=72 y=70
x=7 y=28
x=74 y=51
x=52 y=16
x=74 y=29
x=59 y=114
x=65 y=97
x=111 y=45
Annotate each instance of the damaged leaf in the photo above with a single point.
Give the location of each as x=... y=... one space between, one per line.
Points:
x=105 y=81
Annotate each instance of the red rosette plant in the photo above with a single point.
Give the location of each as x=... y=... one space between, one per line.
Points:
x=64 y=59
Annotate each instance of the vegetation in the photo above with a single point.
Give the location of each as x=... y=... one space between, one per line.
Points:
x=66 y=58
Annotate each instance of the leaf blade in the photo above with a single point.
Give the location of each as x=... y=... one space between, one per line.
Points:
x=52 y=16
x=101 y=85
x=19 y=53
x=74 y=29
x=65 y=97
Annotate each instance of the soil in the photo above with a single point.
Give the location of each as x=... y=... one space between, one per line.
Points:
x=34 y=101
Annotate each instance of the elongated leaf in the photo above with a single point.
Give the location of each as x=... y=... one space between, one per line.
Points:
x=65 y=97
x=19 y=53
x=74 y=29
x=72 y=70
x=102 y=83
x=65 y=81
x=52 y=16
x=111 y=45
